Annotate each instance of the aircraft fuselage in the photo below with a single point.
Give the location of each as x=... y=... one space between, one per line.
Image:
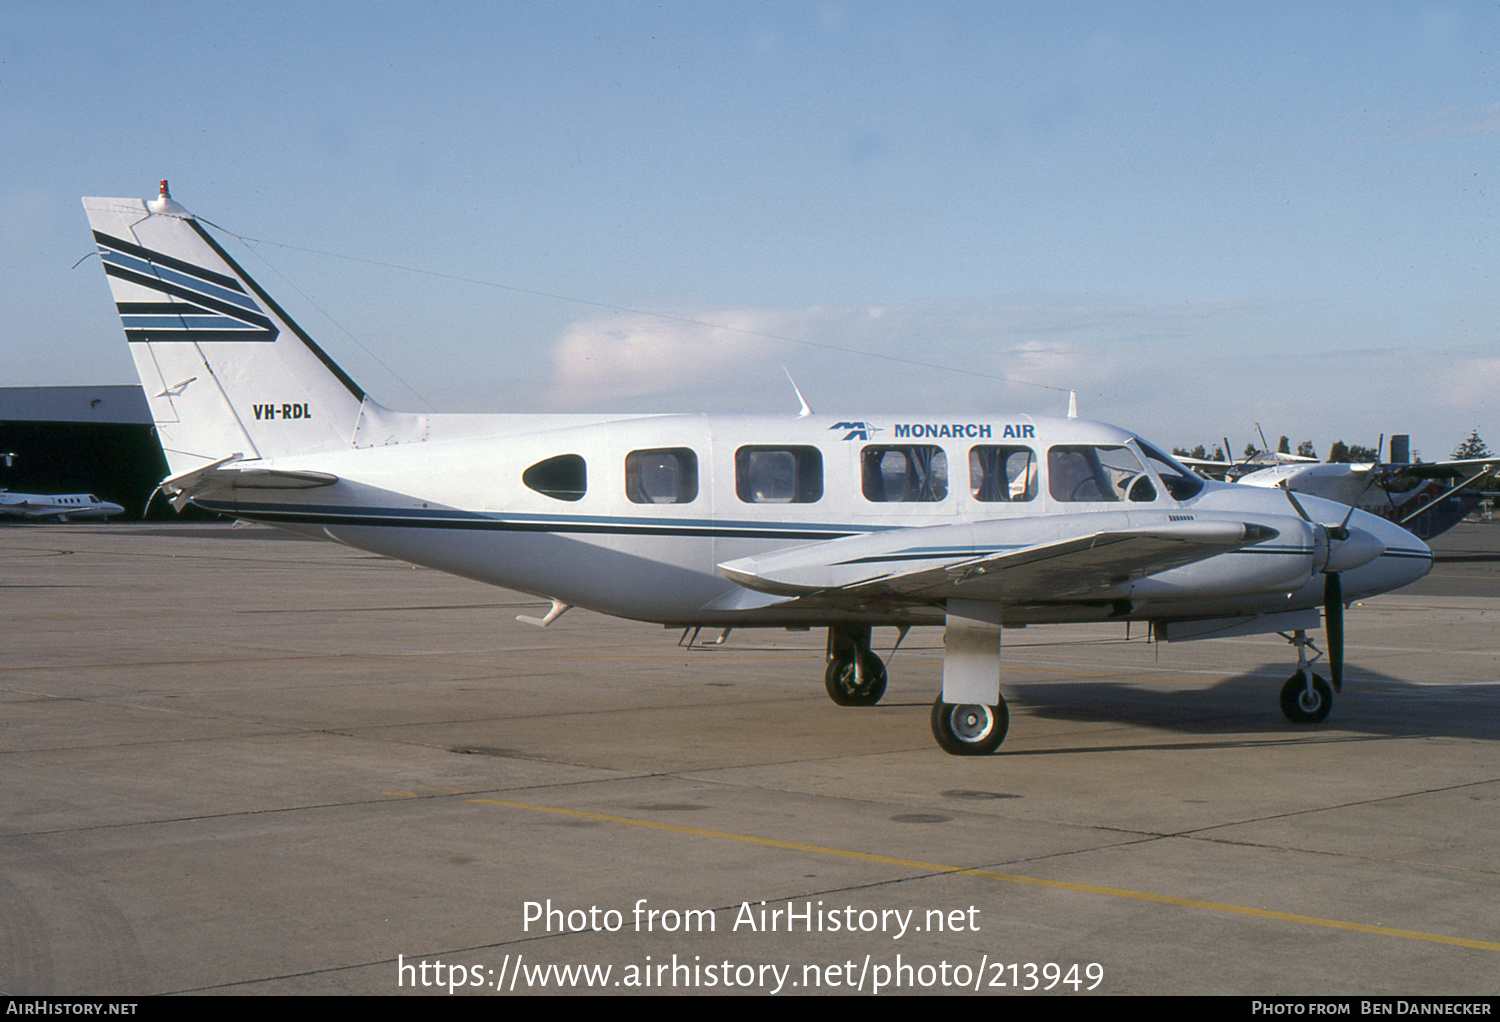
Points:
x=459 y=501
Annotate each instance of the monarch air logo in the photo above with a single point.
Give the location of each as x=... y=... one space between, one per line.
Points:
x=857 y=430
x=192 y=303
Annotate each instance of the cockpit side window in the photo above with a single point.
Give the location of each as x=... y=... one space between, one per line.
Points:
x=1087 y=473
x=1002 y=473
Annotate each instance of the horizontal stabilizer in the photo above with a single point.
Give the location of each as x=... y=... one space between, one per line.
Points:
x=218 y=475
x=273 y=479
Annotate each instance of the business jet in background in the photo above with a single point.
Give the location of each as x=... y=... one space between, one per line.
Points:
x=59 y=507
x=971 y=522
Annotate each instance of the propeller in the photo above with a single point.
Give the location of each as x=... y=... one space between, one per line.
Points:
x=1347 y=548
x=1333 y=624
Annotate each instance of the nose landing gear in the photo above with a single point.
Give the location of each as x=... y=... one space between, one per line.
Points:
x=1305 y=698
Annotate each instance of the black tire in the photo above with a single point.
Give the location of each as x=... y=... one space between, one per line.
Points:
x=969 y=730
x=1302 y=706
x=844 y=686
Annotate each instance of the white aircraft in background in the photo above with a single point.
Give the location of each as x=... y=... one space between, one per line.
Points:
x=970 y=522
x=1425 y=498
x=59 y=507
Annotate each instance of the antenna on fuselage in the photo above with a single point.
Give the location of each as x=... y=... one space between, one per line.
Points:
x=1072 y=404
x=806 y=408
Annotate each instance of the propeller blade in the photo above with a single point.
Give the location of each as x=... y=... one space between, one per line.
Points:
x=1296 y=504
x=1333 y=622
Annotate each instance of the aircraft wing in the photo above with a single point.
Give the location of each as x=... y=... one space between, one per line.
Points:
x=1026 y=560
x=1459 y=469
x=28 y=508
x=1209 y=468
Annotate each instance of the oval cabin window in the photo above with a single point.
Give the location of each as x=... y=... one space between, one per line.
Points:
x=564 y=477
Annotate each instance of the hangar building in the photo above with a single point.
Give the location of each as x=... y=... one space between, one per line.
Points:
x=96 y=440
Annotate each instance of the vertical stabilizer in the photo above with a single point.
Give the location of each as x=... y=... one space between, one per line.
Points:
x=225 y=370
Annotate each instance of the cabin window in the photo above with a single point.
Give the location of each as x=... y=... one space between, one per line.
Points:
x=778 y=475
x=914 y=472
x=1002 y=473
x=564 y=477
x=1086 y=473
x=662 y=476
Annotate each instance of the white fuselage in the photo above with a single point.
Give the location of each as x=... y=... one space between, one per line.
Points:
x=458 y=500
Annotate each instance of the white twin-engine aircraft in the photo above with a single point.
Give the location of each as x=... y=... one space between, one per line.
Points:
x=971 y=522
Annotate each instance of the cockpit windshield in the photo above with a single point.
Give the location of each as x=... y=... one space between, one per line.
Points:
x=1180 y=483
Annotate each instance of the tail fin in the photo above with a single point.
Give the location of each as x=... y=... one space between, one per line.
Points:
x=225 y=370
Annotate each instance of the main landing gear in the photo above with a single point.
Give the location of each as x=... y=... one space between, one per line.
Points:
x=1305 y=698
x=975 y=722
x=855 y=676
x=971 y=729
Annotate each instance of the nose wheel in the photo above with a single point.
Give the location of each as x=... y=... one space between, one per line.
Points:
x=1306 y=701
x=1305 y=698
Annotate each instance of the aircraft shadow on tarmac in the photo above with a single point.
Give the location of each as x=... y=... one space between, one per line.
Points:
x=1371 y=705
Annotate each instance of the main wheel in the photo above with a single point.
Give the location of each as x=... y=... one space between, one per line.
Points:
x=1302 y=706
x=846 y=688
x=971 y=729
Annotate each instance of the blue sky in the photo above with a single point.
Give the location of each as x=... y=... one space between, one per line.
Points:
x=1199 y=217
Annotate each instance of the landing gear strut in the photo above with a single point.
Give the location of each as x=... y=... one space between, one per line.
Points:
x=1305 y=698
x=855 y=676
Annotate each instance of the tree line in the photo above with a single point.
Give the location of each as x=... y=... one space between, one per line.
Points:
x=1473 y=447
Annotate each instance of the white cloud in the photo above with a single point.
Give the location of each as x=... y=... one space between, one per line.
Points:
x=1180 y=373
x=629 y=355
x=974 y=355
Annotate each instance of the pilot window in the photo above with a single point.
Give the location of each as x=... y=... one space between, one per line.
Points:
x=778 y=475
x=1086 y=473
x=1002 y=473
x=915 y=472
x=564 y=477
x=661 y=476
